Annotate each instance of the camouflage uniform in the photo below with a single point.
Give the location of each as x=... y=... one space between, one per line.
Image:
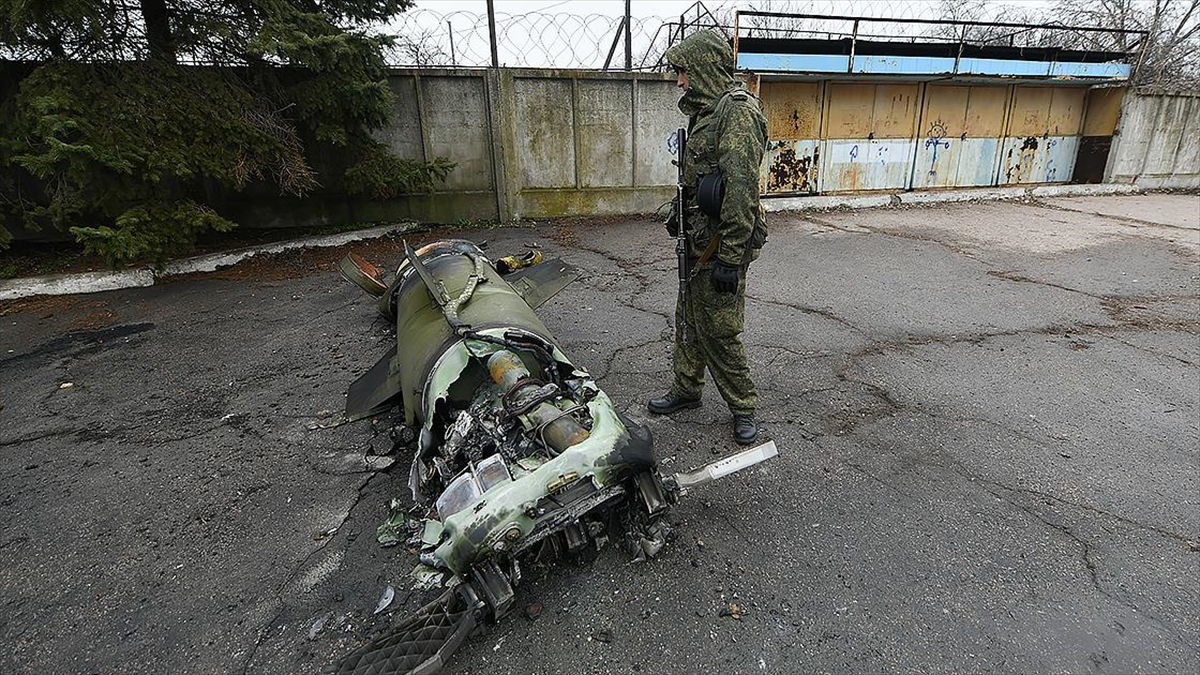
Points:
x=728 y=133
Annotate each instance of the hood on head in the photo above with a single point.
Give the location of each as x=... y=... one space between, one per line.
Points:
x=708 y=60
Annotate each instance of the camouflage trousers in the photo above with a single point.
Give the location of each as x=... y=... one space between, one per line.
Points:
x=714 y=341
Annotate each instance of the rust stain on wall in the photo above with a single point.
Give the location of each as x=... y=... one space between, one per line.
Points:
x=793 y=110
x=1019 y=169
x=791 y=173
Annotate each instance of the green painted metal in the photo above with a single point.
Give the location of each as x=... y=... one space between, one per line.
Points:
x=422 y=332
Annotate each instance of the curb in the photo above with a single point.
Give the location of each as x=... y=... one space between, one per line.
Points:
x=96 y=282
x=826 y=202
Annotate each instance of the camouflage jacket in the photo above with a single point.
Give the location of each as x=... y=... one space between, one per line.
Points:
x=727 y=133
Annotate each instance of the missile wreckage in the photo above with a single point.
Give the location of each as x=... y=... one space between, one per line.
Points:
x=518 y=457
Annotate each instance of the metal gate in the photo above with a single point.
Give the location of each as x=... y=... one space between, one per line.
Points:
x=828 y=137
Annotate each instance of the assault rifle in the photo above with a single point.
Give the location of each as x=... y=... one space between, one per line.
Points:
x=681 y=246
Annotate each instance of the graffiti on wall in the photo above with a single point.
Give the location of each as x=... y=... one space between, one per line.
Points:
x=1051 y=169
x=935 y=139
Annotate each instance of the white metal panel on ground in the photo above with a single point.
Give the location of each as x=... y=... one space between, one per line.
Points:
x=865 y=164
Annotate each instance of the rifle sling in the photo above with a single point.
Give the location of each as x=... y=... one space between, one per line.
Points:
x=708 y=252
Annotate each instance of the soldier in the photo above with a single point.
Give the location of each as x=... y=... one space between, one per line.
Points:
x=727 y=135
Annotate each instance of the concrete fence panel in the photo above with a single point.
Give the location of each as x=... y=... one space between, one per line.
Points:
x=657 y=117
x=540 y=143
x=456 y=127
x=1157 y=144
x=604 y=118
x=404 y=136
x=546 y=135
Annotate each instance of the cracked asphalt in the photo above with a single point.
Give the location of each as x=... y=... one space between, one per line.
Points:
x=988 y=416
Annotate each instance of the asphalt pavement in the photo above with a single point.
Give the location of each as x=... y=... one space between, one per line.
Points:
x=988 y=417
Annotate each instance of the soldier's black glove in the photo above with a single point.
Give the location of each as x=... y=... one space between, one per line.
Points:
x=724 y=277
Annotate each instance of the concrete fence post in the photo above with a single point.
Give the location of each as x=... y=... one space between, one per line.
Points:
x=497 y=124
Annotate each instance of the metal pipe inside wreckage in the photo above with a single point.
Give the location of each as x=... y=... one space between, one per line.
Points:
x=553 y=425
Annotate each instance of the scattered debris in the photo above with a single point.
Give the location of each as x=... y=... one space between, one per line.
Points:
x=512 y=457
x=732 y=609
x=389 y=594
x=315 y=629
x=396 y=528
x=533 y=610
x=427 y=578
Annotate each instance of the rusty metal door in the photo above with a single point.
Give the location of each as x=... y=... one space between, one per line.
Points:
x=1043 y=135
x=849 y=137
x=1099 y=125
x=793 y=111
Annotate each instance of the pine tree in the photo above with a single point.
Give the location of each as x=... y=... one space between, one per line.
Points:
x=120 y=120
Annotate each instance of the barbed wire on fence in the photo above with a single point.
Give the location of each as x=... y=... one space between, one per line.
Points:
x=428 y=37
x=561 y=39
x=565 y=40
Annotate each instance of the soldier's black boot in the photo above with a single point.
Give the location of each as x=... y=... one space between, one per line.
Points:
x=745 y=430
x=671 y=402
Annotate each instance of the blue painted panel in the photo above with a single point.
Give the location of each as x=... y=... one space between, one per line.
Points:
x=906 y=65
x=1108 y=70
x=925 y=65
x=973 y=66
x=955 y=162
x=1049 y=159
x=795 y=63
x=865 y=164
x=977 y=162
